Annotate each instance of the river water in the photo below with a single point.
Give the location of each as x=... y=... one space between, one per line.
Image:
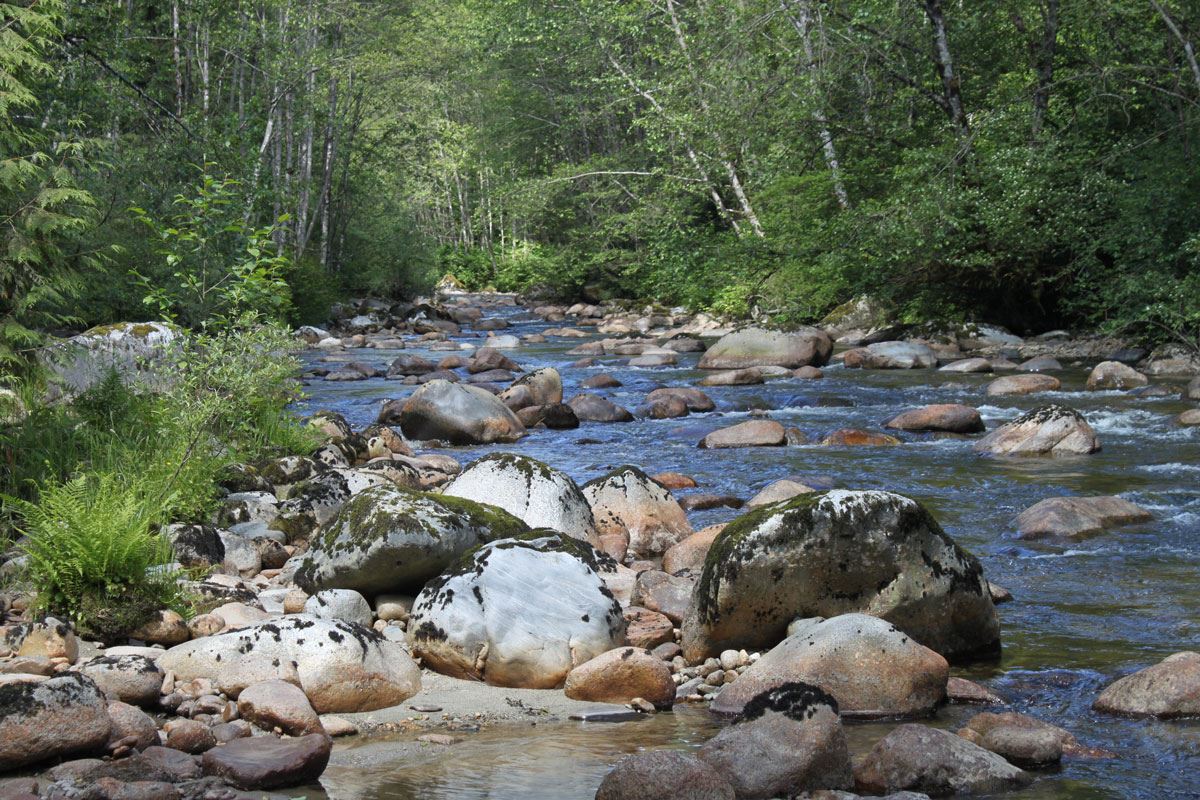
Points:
x=1085 y=612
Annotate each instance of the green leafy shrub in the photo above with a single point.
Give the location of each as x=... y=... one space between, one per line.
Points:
x=93 y=555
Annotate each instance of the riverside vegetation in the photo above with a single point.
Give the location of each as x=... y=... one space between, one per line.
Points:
x=208 y=575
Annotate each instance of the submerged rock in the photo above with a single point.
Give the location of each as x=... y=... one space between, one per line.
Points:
x=872 y=669
x=388 y=539
x=1076 y=517
x=519 y=612
x=664 y=775
x=838 y=552
x=533 y=492
x=924 y=759
x=264 y=762
x=1047 y=430
x=757 y=347
x=594 y=408
x=459 y=414
x=1021 y=739
x=787 y=741
x=1115 y=375
x=341 y=667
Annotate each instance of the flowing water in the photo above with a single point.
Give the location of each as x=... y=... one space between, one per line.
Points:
x=1085 y=612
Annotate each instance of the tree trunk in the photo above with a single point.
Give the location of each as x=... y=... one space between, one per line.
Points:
x=1189 y=51
x=803 y=25
x=943 y=63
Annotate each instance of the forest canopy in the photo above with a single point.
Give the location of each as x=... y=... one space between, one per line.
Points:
x=1028 y=162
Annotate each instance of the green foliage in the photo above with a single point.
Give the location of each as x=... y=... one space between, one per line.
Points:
x=42 y=209
x=94 y=555
x=215 y=266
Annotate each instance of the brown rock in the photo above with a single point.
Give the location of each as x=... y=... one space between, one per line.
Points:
x=776 y=492
x=1031 y=383
x=855 y=437
x=131 y=679
x=694 y=399
x=675 y=480
x=752 y=433
x=666 y=594
x=627 y=501
x=620 y=675
x=166 y=628
x=1019 y=738
x=1047 y=430
x=279 y=704
x=808 y=374
x=601 y=381
x=263 y=762
x=922 y=759
x=703 y=502
x=647 y=629
x=188 y=736
x=961 y=690
x=1076 y=517
x=950 y=417
x=690 y=553
x=130 y=722
x=968 y=365
x=594 y=408
x=734 y=377
x=1189 y=418
x=203 y=625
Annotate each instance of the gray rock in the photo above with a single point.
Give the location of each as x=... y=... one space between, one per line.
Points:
x=1047 y=430
x=1076 y=517
x=788 y=740
x=923 y=759
x=132 y=679
x=264 y=762
x=458 y=414
x=1168 y=689
x=344 y=604
x=663 y=775
x=518 y=612
x=594 y=408
x=45 y=718
x=628 y=503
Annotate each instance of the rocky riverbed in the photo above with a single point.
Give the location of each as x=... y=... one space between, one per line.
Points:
x=539 y=539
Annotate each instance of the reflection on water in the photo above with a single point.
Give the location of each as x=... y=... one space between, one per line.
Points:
x=1085 y=612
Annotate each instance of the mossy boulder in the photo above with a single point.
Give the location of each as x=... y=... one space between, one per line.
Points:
x=389 y=539
x=43 y=718
x=520 y=612
x=135 y=350
x=535 y=493
x=840 y=552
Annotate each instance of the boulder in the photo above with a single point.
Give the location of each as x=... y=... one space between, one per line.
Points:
x=663 y=408
x=667 y=594
x=132 y=679
x=344 y=604
x=1076 y=517
x=619 y=676
x=694 y=399
x=136 y=351
x=533 y=492
x=788 y=740
x=892 y=355
x=518 y=612
x=264 y=762
x=189 y=735
x=195 y=546
x=164 y=627
x=950 y=417
x=594 y=408
x=923 y=759
x=663 y=775
x=489 y=358
x=1168 y=689
x=340 y=666
x=752 y=433
x=388 y=539
x=51 y=638
x=279 y=704
x=458 y=414
x=541 y=387
x=757 y=347
x=1041 y=364
x=627 y=502
x=601 y=381
x=1030 y=383
x=872 y=669
x=839 y=552
x=1189 y=418
x=1115 y=375
x=1046 y=430
x=43 y=718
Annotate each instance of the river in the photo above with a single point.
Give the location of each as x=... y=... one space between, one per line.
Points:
x=1084 y=612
